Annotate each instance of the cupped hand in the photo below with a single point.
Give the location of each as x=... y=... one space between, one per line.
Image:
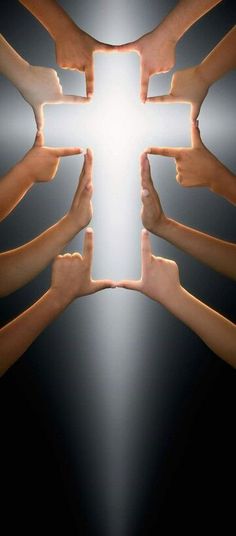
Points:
x=186 y=86
x=157 y=55
x=71 y=274
x=41 y=163
x=160 y=277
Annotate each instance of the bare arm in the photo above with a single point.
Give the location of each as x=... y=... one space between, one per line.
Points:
x=160 y=281
x=221 y=59
x=21 y=265
x=216 y=253
x=71 y=279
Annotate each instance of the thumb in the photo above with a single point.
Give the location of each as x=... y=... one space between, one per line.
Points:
x=39 y=139
x=39 y=118
x=129 y=284
x=162 y=98
x=127 y=47
x=195 y=136
x=74 y=99
x=195 y=110
x=102 y=284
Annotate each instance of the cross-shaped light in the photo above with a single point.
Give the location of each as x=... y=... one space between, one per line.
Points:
x=118 y=127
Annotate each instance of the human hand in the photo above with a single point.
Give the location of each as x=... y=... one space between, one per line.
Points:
x=41 y=85
x=81 y=210
x=157 y=55
x=186 y=86
x=75 y=49
x=71 y=274
x=41 y=163
x=196 y=165
x=152 y=214
x=160 y=277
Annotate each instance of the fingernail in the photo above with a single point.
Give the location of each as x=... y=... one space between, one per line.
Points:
x=89 y=230
x=89 y=95
x=145 y=193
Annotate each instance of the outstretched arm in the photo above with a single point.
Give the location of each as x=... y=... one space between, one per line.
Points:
x=216 y=253
x=40 y=164
x=197 y=166
x=160 y=281
x=192 y=85
x=157 y=48
x=71 y=278
x=74 y=47
x=21 y=265
x=37 y=85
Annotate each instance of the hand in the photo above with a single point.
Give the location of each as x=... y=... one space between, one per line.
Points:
x=71 y=274
x=152 y=214
x=157 y=53
x=195 y=166
x=186 y=86
x=41 y=85
x=160 y=277
x=74 y=50
x=81 y=210
x=41 y=163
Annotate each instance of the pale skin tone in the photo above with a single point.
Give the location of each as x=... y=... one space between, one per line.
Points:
x=157 y=48
x=21 y=265
x=37 y=85
x=197 y=166
x=192 y=85
x=74 y=47
x=160 y=282
x=216 y=253
x=71 y=279
x=40 y=164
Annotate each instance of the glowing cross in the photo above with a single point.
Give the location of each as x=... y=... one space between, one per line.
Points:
x=118 y=127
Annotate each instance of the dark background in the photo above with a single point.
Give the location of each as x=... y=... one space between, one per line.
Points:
x=147 y=444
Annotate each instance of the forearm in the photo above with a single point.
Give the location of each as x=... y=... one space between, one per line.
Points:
x=221 y=59
x=19 y=334
x=13 y=187
x=218 y=333
x=218 y=254
x=12 y=66
x=51 y=15
x=21 y=265
x=225 y=185
x=185 y=14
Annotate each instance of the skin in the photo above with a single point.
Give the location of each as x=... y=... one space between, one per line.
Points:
x=37 y=85
x=40 y=164
x=160 y=282
x=197 y=166
x=192 y=85
x=21 y=265
x=157 y=48
x=71 y=279
x=218 y=254
x=74 y=47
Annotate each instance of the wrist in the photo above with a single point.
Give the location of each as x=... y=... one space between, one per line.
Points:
x=168 y=31
x=23 y=174
x=223 y=180
x=161 y=226
x=72 y=224
x=203 y=74
x=64 y=29
x=175 y=299
x=59 y=300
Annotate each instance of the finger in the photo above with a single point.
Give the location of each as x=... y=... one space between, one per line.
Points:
x=146 y=197
x=104 y=47
x=88 y=169
x=145 y=168
x=102 y=284
x=88 y=246
x=73 y=99
x=163 y=98
x=39 y=118
x=146 y=249
x=129 y=284
x=89 y=76
x=127 y=47
x=144 y=84
x=195 y=110
x=39 y=139
x=66 y=151
x=195 y=136
x=164 y=151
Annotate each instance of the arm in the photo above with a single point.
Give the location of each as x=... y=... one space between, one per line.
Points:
x=192 y=85
x=40 y=164
x=37 y=85
x=157 y=48
x=74 y=47
x=71 y=278
x=160 y=281
x=218 y=254
x=21 y=265
x=196 y=166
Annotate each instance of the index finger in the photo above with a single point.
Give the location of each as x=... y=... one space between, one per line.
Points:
x=73 y=99
x=144 y=84
x=89 y=76
x=164 y=151
x=66 y=151
x=146 y=250
x=88 y=247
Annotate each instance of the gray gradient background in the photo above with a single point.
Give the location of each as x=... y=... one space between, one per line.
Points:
x=118 y=416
